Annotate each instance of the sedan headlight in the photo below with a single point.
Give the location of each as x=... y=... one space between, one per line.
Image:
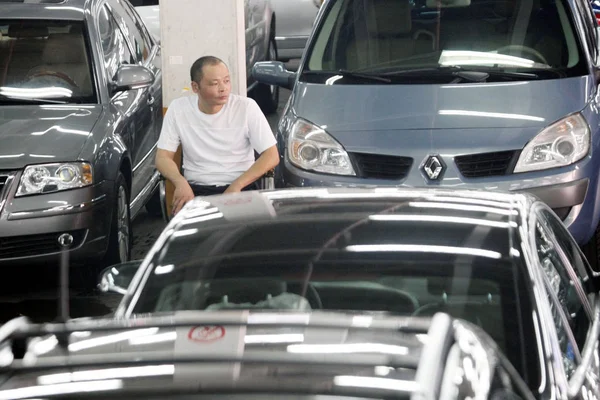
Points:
x=562 y=143
x=311 y=148
x=48 y=178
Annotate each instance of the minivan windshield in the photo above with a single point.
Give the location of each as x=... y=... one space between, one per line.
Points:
x=423 y=41
x=44 y=62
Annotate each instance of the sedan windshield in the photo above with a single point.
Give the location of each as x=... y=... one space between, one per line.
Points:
x=406 y=261
x=44 y=62
x=421 y=41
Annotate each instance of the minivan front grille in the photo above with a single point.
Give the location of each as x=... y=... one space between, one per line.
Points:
x=379 y=166
x=486 y=164
x=27 y=245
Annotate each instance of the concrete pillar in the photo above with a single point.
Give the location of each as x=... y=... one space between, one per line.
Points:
x=190 y=29
x=193 y=28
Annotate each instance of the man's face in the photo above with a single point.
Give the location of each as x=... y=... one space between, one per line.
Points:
x=215 y=86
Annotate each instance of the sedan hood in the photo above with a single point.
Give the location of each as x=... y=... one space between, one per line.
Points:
x=459 y=106
x=40 y=134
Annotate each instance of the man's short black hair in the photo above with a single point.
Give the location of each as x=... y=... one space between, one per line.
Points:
x=196 y=70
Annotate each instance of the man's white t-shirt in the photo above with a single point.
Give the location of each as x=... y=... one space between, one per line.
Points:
x=217 y=148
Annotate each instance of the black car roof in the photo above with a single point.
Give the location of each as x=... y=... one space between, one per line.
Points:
x=289 y=220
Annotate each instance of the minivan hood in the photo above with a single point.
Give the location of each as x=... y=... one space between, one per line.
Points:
x=40 y=134
x=525 y=104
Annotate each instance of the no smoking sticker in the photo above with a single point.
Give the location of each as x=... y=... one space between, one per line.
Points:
x=203 y=334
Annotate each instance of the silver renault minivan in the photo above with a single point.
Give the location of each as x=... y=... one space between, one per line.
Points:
x=483 y=94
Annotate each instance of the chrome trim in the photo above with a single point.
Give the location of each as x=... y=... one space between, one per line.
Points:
x=59 y=210
x=162 y=185
x=144 y=194
x=5 y=189
x=145 y=157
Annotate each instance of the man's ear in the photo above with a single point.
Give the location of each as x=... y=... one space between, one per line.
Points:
x=195 y=86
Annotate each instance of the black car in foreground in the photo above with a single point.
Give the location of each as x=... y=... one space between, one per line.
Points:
x=258 y=355
x=501 y=265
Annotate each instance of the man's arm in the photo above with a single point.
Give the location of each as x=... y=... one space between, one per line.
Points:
x=267 y=161
x=165 y=164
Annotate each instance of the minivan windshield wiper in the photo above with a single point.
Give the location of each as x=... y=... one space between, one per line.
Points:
x=352 y=75
x=12 y=100
x=474 y=73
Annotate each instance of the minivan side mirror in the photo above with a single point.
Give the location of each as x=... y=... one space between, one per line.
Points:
x=587 y=355
x=116 y=278
x=130 y=77
x=273 y=73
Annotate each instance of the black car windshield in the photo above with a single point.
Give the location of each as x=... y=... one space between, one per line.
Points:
x=44 y=62
x=408 y=260
x=393 y=37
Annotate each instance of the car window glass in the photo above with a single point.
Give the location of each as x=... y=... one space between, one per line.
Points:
x=568 y=312
x=133 y=28
x=115 y=49
x=588 y=26
x=389 y=36
x=47 y=59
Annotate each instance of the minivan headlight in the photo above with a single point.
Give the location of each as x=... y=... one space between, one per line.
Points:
x=311 y=148
x=562 y=143
x=49 y=178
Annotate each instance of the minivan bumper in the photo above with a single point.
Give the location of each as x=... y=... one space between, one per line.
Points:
x=31 y=227
x=570 y=191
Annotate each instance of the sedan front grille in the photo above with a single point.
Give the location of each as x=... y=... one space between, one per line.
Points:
x=486 y=164
x=378 y=166
x=28 y=245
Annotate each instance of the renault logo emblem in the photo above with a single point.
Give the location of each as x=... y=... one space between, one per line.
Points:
x=434 y=167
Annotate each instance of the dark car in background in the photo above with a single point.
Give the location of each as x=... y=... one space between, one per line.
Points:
x=80 y=115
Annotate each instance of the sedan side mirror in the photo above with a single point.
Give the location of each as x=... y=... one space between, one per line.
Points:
x=116 y=278
x=273 y=73
x=131 y=77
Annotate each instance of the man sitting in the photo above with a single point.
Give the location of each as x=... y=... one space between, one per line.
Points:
x=219 y=133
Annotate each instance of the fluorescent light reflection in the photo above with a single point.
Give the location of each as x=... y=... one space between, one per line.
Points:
x=278 y=319
x=104 y=340
x=158 y=338
x=44 y=92
x=164 y=269
x=424 y=249
x=439 y=218
x=61 y=389
x=491 y=115
x=376 y=383
x=275 y=338
x=348 y=348
x=185 y=232
x=108 y=373
x=446 y=206
x=195 y=220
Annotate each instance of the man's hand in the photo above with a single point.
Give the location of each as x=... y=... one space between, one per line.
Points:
x=233 y=188
x=183 y=193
